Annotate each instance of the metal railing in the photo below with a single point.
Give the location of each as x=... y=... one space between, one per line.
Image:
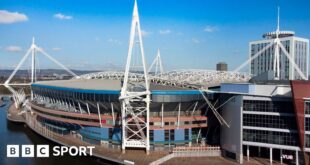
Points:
x=199 y=151
x=196 y=149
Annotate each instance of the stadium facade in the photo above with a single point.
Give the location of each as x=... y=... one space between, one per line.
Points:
x=93 y=110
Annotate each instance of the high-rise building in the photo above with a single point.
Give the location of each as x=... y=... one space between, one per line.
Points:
x=297 y=48
x=221 y=66
x=282 y=53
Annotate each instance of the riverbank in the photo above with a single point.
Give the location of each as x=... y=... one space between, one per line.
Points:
x=19 y=133
x=13 y=115
x=114 y=155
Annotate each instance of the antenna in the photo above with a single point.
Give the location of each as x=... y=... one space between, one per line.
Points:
x=278 y=21
x=33 y=40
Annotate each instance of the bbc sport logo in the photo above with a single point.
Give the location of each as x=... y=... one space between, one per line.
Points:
x=43 y=151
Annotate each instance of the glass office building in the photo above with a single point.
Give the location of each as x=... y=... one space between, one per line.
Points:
x=297 y=48
x=266 y=120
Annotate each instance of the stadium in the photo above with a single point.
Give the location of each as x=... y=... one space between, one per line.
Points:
x=90 y=106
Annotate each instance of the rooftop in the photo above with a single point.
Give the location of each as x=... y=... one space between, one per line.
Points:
x=101 y=84
x=282 y=34
x=94 y=84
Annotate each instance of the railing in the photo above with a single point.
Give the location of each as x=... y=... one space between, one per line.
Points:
x=37 y=126
x=198 y=151
x=195 y=149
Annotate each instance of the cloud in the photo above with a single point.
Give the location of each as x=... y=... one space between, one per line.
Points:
x=56 y=49
x=167 y=31
x=13 y=49
x=62 y=16
x=7 y=17
x=114 y=41
x=145 y=33
x=195 y=40
x=210 y=29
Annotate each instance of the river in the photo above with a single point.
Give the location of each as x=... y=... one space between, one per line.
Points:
x=14 y=133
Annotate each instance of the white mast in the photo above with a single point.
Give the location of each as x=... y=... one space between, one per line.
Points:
x=135 y=103
x=276 y=63
x=158 y=65
x=32 y=50
x=33 y=63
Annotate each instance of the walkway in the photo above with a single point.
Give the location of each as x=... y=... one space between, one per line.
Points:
x=13 y=114
x=115 y=155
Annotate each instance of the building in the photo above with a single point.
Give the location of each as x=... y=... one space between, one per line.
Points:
x=221 y=66
x=268 y=121
x=297 y=47
x=282 y=53
x=92 y=109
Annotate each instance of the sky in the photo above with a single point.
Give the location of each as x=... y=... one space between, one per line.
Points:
x=191 y=34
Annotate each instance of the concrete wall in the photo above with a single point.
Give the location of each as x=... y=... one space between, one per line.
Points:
x=231 y=138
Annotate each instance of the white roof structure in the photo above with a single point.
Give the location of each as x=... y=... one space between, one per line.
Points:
x=189 y=78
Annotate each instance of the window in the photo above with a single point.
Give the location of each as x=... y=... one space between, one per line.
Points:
x=307 y=107
x=172 y=135
x=268 y=106
x=272 y=137
x=166 y=135
x=151 y=135
x=270 y=121
x=186 y=134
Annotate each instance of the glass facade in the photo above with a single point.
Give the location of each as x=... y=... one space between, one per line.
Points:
x=272 y=137
x=301 y=49
x=307 y=141
x=307 y=107
x=270 y=121
x=264 y=62
x=268 y=106
x=307 y=124
x=271 y=128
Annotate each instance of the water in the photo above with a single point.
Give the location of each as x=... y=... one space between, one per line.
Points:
x=14 y=133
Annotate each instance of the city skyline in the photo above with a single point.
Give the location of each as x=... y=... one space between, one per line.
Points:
x=96 y=35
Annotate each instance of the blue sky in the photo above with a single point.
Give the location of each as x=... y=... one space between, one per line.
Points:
x=190 y=34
